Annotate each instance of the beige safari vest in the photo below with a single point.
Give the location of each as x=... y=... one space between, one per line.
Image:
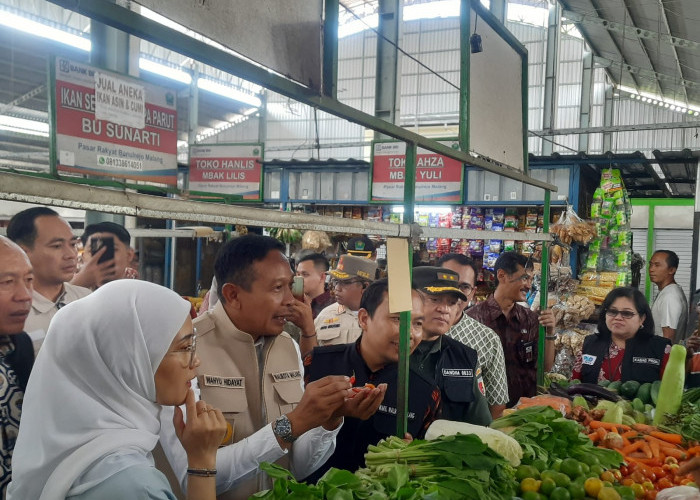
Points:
x=229 y=379
x=336 y=325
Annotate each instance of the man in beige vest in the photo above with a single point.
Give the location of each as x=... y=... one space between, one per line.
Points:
x=337 y=323
x=252 y=371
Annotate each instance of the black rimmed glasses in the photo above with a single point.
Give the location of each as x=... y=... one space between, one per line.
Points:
x=466 y=288
x=341 y=283
x=192 y=349
x=612 y=313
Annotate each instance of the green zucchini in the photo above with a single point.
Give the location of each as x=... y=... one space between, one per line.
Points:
x=671 y=389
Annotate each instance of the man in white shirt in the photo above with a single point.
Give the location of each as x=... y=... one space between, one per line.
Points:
x=49 y=243
x=670 y=308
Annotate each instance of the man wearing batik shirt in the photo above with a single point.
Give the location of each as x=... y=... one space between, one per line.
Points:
x=517 y=326
x=479 y=337
x=16 y=351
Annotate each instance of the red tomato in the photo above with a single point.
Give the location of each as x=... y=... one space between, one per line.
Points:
x=651 y=495
x=664 y=483
x=627 y=481
x=625 y=471
x=659 y=472
x=638 y=477
x=650 y=475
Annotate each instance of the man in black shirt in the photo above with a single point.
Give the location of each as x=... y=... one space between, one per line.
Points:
x=373 y=359
x=452 y=366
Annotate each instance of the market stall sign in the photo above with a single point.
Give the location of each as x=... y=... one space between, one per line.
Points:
x=228 y=169
x=112 y=125
x=438 y=178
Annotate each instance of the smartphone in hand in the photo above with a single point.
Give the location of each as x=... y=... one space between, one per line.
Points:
x=97 y=243
x=298 y=288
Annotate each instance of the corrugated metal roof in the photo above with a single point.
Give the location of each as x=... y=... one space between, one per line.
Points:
x=653 y=46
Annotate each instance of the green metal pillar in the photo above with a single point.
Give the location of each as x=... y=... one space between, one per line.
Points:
x=544 y=280
x=650 y=251
x=110 y=50
x=330 y=48
x=387 y=82
x=464 y=29
x=409 y=197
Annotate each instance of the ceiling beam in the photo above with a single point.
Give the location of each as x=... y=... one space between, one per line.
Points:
x=6 y=108
x=664 y=16
x=615 y=128
x=644 y=72
x=631 y=31
x=628 y=15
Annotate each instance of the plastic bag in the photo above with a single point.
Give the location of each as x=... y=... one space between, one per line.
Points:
x=679 y=493
x=571 y=228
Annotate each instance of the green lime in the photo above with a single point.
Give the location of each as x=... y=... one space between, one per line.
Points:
x=585 y=467
x=556 y=464
x=597 y=469
x=607 y=484
x=589 y=460
x=525 y=471
x=539 y=464
x=562 y=480
x=530 y=495
x=625 y=492
x=560 y=494
x=577 y=491
x=548 y=474
x=547 y=486
x=571 y=467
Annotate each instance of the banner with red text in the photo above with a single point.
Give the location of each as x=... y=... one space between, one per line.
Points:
x=229 y=169
x=438 y=178
x=112 y=125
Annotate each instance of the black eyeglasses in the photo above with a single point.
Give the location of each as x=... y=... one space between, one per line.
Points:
x=611 y=313
x=466 y=288
x=337 y=283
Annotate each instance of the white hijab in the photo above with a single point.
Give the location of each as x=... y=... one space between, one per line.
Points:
x=90 y=401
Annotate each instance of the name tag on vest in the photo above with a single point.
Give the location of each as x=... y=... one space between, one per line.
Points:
x=587 y=359
x=390 y=410
x=458 y=372
x=290 y=375
x=646 y=361
x=225 y=382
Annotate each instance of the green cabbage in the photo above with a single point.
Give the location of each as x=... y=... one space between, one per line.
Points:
x=498 y=441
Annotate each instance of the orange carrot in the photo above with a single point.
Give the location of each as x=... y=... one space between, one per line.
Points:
x=625 y=442
x=695 y=450
x=668 y=437
x=629 y=434
x=636 y=446
x=661 y=442
x=597 y=424
x=646 y=450
x=675 y=453
x=655 y=448
x=646 y=429
x=593 y=436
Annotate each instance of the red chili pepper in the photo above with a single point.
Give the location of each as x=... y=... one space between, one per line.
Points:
x=352 y=380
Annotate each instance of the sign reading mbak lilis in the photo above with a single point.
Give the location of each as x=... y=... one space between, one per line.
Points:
x=228 y=169
x=438 y=178
x=111 y=125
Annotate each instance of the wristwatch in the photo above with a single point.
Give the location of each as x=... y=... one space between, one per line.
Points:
x=282 y=428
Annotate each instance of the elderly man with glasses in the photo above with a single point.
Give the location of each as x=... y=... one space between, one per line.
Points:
x=479 y=337
x=516 y=325
x=337 y=323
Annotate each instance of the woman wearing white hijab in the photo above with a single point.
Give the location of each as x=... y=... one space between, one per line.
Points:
x=90 y=414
